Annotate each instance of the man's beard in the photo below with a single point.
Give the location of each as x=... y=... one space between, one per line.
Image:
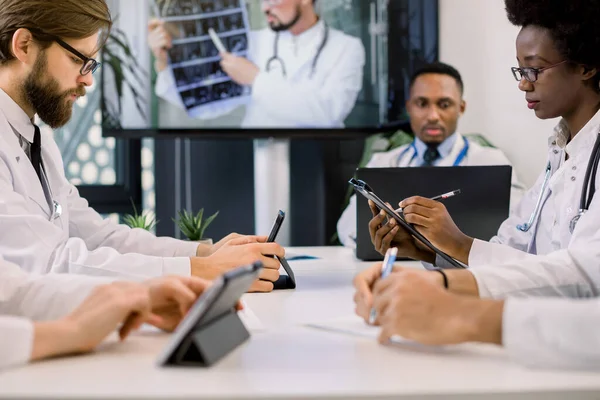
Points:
x=284 y=27
x=49 y=103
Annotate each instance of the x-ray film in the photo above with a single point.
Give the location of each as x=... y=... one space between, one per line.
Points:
x=194 y=58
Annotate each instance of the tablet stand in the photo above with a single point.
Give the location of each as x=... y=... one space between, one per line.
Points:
x=211 y=342
x=285 y=281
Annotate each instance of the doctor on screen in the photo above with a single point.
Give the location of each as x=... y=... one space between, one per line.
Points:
x=302 y=73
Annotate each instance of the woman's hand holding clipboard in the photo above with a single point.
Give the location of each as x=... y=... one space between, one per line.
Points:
x=410 y=242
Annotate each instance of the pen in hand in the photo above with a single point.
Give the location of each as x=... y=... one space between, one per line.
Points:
x=386 y=270
x=439 y=197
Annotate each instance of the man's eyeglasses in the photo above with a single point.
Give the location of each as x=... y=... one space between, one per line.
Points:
x=531 y=74
x=89 y=64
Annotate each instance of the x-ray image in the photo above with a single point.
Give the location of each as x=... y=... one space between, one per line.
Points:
x=194 y=7
x=194 y=58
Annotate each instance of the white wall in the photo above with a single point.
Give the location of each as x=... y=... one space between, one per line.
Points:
x=477 y=39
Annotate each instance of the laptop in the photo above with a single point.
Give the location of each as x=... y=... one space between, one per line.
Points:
x=478 y=210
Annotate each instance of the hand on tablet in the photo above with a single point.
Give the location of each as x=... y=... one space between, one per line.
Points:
x=389 y=234
x=432 y=220
x=242 y=251
x=205 y=250
x=162 y=302
x=172 y=297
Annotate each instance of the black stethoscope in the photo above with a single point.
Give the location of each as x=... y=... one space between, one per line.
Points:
x=587 y=193
x=589 y=184
x=276 y=58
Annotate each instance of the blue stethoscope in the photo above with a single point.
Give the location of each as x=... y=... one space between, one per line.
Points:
x=276 y=59
x=459 y=159
x=587 y=192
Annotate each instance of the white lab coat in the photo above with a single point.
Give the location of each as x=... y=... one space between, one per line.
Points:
x=403 y=157
x=25 y=298
x=296 y=100
x=548 y=260
x=80 y=240
x=552 y=333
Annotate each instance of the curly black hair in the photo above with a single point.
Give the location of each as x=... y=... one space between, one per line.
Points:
x=573 y=25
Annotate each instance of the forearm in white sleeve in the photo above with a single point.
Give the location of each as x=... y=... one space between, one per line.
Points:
x=17 y=341
x=25 y=297
x=570 y=272
x=166 y=88
x=38 y=245
x=565 y=273
x=42 y=297
x=48 y=249
x=486 y=253
x=346 y=226
x=97 y=232
x=552 y=333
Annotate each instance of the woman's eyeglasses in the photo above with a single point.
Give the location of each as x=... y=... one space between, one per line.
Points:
x=531 y=74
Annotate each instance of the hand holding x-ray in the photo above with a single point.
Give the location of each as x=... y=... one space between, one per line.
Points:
x=198 y=45
x=241 y=70
x=160 y=41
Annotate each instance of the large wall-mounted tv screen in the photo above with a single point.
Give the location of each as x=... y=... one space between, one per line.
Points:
x=223 y=65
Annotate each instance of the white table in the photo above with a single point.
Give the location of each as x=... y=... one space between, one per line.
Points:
x=289 y=360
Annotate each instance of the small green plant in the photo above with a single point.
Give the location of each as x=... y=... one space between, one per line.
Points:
x=193 y=226
x=143 y=221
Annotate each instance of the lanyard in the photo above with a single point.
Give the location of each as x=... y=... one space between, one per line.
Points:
x=459 y=159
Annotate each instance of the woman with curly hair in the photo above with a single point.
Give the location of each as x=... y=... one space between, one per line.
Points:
x=558 y=255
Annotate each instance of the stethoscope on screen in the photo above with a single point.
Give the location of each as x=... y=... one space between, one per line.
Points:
x=461 y=156
x=276 y=59
x=587 y=192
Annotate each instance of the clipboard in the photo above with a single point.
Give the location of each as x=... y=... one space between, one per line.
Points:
x=362 y=188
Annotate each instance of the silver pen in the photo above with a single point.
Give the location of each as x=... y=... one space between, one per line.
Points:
x=386 y=269
x=438 y=198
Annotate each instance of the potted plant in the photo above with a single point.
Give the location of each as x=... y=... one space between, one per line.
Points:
x=118 y=57
x=143 y=221
x=193 y=226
